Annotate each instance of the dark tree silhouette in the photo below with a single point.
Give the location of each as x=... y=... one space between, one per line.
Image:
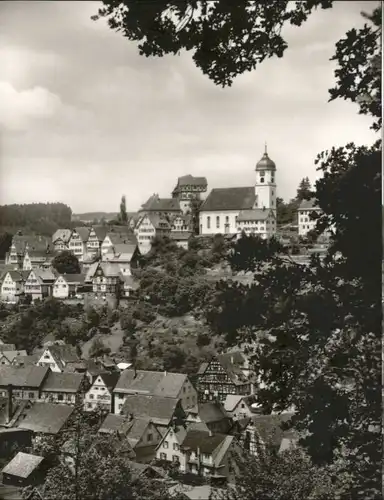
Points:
x=66 y=263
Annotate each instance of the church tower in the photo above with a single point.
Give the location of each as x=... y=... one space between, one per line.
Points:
x=265 y=187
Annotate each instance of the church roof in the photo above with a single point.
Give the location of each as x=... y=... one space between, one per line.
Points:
x=238 y=198
x=265 y=163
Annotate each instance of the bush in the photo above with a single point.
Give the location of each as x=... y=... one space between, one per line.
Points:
x=144 y=312
x=202 y=340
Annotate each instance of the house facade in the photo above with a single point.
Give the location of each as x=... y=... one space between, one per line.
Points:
x=59 y=358
x=95 y=240
x=221 y=210
x=26 y=382
x=100 y=394
x=166 y=207
x=78 y=242
x=39 y=283
x=60 y=239
x=148 y=227
x=259 y=222
x=12 y=287
x=168 y=450
x=225 y=374
x=64 y=388
x=66 y=285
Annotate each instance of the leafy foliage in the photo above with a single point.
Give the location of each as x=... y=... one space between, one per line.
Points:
x=66 y=263
x=304 y=189
x=228 y=38
x=123 y=216
x=98 y=348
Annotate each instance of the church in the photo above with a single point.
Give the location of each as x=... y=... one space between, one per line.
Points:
x=250 y=209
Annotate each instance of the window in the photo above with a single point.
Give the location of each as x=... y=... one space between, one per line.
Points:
x=149 y=437
x=261 y=179
x=60 y=397
x=176 y=447
x=226 y=219
x=89 y=405
x=31 y=395
x=165 y=444
x=217 y=222
x=163 y=456
x=91 y=396
x=208 y=222
x=175 y=458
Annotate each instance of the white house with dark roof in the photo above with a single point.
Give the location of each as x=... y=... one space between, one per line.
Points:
x=220 y=211
x=258 y=221
x=101 y=392
x=39 y=283
x=12 y=286
x=148 y=227
x=78 y=242
x=163 y=384
x=59 y=358
x=67 y=285
x=60 y=239
x=8 y=357
x=95 y=239
x=26 y=381
x=161 y=206
x=305 y=211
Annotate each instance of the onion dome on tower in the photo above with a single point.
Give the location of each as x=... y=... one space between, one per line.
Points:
x=265 y=163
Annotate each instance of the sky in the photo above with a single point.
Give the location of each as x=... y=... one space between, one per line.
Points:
x=85 y=119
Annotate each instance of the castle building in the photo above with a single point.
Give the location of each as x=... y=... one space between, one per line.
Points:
x=189 y=188
x=243 y=209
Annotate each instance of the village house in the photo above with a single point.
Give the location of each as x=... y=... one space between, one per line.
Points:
x=305 y=213
x=23 y=470
x=166 y=207
x=129 y=287
x=163 y=384
x=225 y=374
x=221 y=210
x=60 y=239
x=141 y=434
x=66 y=285
x=12 y=286
x=151 y=225
x=63 y=388
x=22 y=382
x=181 y=223
x=39 y=283
x=59 y=358
x=78 y=242
x=133 y=219
x=181 y=238
x=201 y=452
x=105 y=277
x=36 y=259
x=95 y=239
x=8 y=357
x=122 y=254
x=212 y=415
x=168 y=450
x=20 y=244
x=117 y=235
x=189 y=188
x=162 y=411
x=101 y=392
x=258 y=221
x=240 y=407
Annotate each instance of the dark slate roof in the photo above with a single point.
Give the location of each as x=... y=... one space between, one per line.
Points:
x=83 y=232
x=7 y=347
x=28 y=376
x=237 y=198
x=268 y=427
x=159 y=410
x=190 y=180
x=180 y=235
x=16 y=276
x=203 y=440
x=156 y=204
x=232 y=363
x=63 y=382
x=22 y=465
x=110 y=379
x=211 y=412
x=133 y=429
x=47 y=418
x=73 y=278
x=254 y=214
x=308 y=204
x=150 y=382
x=101 y=232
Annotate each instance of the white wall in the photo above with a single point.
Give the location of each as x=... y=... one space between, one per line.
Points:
x=98 y=394
x=47 y=360
x=220 y=228
x=60 y=288
x=304 y=221
x=266 y=191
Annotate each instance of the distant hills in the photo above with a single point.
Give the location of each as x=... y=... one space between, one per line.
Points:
x=91 y=216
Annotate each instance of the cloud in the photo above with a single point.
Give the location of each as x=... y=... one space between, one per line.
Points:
x=96 y=120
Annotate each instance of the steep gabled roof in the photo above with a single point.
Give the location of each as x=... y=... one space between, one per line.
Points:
x=190 y=180
x=73 y=278
x=29 y=376
x=101 y=232
x=63 y=354
x=133 y=429
x=47 y=418
x=211 y=411
x=110 y=379
x=237 y=198
x=156 y=204
x=65 y=382
x=158 y=409
x=83 y=232
x=11 y=355
x=62 y=234
x=205 y=441
x=163 y=384
x=308 y=204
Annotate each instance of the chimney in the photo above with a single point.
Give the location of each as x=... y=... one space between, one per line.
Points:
x=9 y=405
x=165 y=373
